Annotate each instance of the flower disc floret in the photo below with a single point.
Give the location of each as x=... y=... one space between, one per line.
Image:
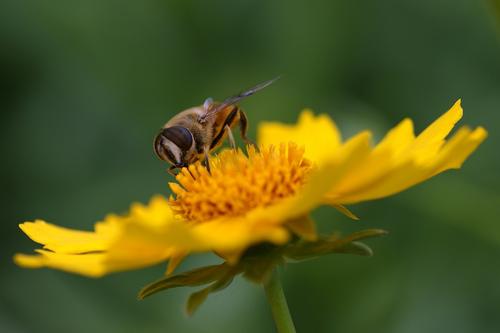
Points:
x=239 y=182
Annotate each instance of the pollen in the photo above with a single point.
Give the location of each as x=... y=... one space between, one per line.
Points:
x=239 y=182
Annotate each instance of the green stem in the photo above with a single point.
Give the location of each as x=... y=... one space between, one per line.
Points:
x=279 y=307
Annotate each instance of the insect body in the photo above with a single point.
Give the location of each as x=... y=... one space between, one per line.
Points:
x=193 y=133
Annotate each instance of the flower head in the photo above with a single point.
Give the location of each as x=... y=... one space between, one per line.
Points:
x=239 y=182
x=259 y=196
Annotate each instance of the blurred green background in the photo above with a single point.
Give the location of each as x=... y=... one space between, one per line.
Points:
x=85 y=85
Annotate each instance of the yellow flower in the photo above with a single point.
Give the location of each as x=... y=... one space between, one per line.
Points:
x=261 y=195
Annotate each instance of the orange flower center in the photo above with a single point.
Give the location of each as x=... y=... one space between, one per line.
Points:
x=239 y=182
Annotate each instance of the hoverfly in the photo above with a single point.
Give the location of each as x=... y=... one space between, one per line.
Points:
x=193 y=133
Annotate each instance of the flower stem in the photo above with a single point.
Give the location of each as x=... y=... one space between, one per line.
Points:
x=279 y=307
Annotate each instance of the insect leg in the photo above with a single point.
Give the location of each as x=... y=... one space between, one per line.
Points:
x=206 y=162
x=230 y=137
x=244 y=128
x=171 y=170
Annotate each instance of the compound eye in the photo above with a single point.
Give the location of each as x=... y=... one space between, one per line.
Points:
x=179 y=135
x=170 y=156
x=163 y=151
x=159 y=148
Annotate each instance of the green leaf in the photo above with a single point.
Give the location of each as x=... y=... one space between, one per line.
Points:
x=358 y=248
x=260 y=269
x=344 y=210
x=259 y=261
x=334 y=244
x=197 y=298
x=195 y=277
x=367 y=233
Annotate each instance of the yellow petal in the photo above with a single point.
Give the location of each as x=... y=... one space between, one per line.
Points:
x=90 y=265
x=397 y=139
x=235 y=235
x=304 y=227
x=402 y=160
x=231 y=257
x=458 y=148
x=441 y=127
x=118 y=243
x=28 y=261
x=175 y=261
x=319 y=134
x=65 y=240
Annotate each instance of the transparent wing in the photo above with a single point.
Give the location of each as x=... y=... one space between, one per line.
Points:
x=213 y=109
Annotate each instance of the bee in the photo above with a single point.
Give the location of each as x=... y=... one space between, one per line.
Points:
x=192 y=134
